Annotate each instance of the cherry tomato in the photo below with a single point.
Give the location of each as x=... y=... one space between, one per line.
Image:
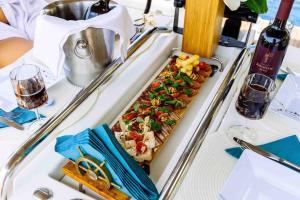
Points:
x=202 y=65
x=130 y=116
x=155 y=84
x=174 y=95
x=133 y=135
x=157 y=113
x=141 y=147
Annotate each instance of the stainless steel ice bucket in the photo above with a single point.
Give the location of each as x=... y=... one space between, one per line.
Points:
x=88 y=52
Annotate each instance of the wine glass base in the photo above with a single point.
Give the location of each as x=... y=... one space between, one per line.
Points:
x=242 y=132
x=37 y=123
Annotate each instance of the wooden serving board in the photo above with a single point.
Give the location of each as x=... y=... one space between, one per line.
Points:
x=180 y=113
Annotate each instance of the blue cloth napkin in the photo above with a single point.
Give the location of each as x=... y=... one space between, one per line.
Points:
x=287 y=148
x=101 y=144
x=281 y=76
x=26 y=116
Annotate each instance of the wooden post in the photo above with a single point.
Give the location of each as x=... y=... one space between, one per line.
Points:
x=202 y=26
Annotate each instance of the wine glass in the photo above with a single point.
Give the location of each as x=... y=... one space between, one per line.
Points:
x=29 y=87
x=252 y=103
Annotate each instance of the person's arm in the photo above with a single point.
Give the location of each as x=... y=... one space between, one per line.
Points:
x=13 y=48
x=2 y=17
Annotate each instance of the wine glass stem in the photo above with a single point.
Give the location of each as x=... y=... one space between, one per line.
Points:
x=38 y=116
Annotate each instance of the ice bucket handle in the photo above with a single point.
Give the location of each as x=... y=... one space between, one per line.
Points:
x=82 y=49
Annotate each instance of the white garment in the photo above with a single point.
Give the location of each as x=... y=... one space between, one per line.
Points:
x=21 y=15
x=52 y=33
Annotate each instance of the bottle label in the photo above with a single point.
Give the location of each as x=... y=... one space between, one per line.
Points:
x=267 y=61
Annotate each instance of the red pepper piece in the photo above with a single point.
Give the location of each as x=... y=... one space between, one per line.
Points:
x=130 y=116
x=155 y=84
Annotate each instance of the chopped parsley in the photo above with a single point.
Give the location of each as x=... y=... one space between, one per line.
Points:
x=162 y=97
x=164 y=109
x=170 y=122
x=187 y=91
x=168 y=81
x=154 y=125
x=129 y=127
x=175 y=85
x=152 y=95
x=136 y=107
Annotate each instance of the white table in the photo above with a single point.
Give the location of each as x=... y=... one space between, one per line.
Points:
x=10 y=139
x=197 y=184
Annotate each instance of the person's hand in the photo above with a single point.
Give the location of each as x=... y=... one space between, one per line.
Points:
x=233 y=4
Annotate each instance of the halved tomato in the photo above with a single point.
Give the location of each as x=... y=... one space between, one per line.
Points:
x=133 y=135
x=202 y=65
x=174 y=95
x=157 y=113
x=155 y=84
x=141 y=147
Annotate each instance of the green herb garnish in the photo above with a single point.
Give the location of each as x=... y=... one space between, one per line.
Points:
x=154 y=125
x=187 y=79
x=187 y=91
x=139 y=120
x=152 y=95
x=183 y=84
x=170 y=122
x=143 y=106
x=175 y=103
x=175 y=85
x=152 y=111
x=161 y=97
x=126 y=122
x=164 y=109
x=136 y=107
x=129 y=127
x=178 y=76
x=168 y=81
x=166 y=89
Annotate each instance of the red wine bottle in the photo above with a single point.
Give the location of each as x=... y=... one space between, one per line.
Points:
x=272 y=44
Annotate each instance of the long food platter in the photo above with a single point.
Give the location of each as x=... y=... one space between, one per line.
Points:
x=145 y=125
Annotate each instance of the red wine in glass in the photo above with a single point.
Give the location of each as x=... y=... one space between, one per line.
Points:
x=29 y=87
x=255 y=96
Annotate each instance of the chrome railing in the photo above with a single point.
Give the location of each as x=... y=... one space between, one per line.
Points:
x=18 y=157
x=173 y=182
